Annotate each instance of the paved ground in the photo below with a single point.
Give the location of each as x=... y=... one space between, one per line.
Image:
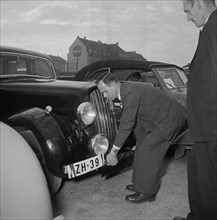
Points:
x=96 y=198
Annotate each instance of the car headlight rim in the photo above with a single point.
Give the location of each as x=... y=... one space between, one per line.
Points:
x=86 y=113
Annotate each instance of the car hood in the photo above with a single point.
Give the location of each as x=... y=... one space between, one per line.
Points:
x=46 y=87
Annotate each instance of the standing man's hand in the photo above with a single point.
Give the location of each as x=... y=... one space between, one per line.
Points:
x=111 y=158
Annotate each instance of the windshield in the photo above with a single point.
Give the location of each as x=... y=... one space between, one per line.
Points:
x=173 y=77
x=14 y=65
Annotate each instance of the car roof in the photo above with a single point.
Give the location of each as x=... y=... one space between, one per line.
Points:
x=118 y=63
x=10 y=49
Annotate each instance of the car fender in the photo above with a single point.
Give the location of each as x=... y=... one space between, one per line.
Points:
x=22 y=191
x=23 y=185
x=53 y=145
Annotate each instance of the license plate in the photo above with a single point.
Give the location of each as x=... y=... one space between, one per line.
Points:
x=86 y=166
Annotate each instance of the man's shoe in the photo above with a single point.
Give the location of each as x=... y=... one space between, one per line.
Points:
x=179 y=218
x=140 y=197
x=130 y=188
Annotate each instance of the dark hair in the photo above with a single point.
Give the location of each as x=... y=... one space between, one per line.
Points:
x=107 y=78
x=136 y=76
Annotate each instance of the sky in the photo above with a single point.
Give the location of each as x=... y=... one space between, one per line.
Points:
x=156 y=29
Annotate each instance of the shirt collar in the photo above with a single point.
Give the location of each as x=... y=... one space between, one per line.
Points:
x=119 y=92
x=119 y=96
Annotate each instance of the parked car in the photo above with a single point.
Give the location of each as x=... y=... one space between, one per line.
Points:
x=167 y=77
x=68 y=124
x=24 y=190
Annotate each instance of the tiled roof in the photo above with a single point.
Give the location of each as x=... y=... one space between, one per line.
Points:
x=108 y=48
x=93 y=44
x=135 y=55
x=100 y=46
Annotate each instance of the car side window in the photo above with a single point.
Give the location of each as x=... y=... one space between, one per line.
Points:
x=41 y=68
x=23 y=65
x=149 y=77
x=17 y=67
x=12 y=65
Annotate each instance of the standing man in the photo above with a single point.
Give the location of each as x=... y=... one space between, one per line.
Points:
x=202 y=112
x=155 y=119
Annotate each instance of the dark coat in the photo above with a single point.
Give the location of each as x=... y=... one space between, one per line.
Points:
x=202 y=85
x=146 y=106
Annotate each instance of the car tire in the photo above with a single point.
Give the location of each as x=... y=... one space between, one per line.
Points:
x=54 y=183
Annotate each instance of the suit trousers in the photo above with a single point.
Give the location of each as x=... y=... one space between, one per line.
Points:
x=202 y=181
x=150 y=151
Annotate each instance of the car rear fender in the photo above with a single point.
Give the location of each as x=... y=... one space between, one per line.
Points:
x=53 y=146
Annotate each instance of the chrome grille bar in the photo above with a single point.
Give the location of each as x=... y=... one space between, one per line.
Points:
x=105 y=121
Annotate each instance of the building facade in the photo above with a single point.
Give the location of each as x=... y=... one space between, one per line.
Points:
x=83 y=52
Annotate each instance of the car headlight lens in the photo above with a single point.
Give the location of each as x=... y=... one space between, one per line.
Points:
x=86 y=112
x=100 y=144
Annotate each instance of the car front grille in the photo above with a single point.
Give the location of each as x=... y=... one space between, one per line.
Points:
x=105 y=121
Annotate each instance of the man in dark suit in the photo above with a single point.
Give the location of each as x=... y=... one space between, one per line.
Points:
x=155 y=119
x=202 y=112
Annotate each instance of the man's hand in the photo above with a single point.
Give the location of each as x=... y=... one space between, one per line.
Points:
x=111 y=158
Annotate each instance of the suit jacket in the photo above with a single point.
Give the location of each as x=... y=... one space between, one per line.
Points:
x=202 y=85
x=146 y=106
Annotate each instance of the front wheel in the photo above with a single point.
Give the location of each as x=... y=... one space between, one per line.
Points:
x=54 y=182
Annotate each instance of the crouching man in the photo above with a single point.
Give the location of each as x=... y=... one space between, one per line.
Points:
x=155 y=119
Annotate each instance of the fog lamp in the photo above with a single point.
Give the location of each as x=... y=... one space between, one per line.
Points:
x=100 y=144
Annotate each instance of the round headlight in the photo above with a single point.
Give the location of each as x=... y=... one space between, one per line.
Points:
x=100 y=144
x=86 y=113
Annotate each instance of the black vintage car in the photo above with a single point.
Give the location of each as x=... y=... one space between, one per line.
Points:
x=69 y=125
